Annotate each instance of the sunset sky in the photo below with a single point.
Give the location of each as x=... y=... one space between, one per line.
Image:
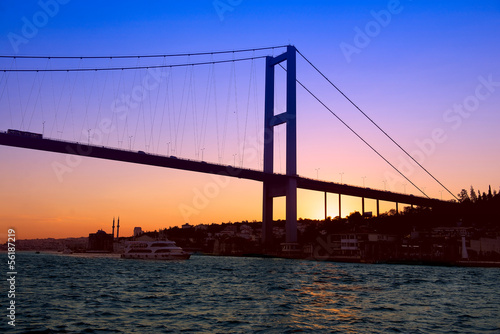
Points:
x=426 y=71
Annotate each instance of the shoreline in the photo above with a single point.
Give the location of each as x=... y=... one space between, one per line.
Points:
x=413 y=262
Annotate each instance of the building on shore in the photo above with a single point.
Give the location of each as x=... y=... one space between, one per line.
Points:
x=138 y=231
x=100 y=242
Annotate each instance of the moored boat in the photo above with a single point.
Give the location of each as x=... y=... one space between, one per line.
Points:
x=154 y=250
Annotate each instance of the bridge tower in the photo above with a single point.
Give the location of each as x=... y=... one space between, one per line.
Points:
x=288 y=185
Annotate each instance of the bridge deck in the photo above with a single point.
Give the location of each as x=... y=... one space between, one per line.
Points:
x=101 y=152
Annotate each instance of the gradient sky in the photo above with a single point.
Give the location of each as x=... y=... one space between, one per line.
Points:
x=410 y=65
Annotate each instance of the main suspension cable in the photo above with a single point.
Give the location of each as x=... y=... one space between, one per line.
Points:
x=357 y=135
x=378 y=127
x=145 y=67
x=147 y=56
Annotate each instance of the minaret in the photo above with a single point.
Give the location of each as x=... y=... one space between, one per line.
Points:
x=113 y=231
x=118 y=228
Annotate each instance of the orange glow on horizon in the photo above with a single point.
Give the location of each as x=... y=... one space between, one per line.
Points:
x=149 y=197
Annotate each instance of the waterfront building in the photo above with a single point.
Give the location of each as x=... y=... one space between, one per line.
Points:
x=137 y=231
x=486 y=247
x=100 y=242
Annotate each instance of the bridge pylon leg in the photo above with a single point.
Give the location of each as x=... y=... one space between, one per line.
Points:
x=326 y=205
x=267 y=216
x=340 y=206
x=286 y=186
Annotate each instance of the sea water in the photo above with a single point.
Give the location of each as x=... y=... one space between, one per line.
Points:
x=58 y=293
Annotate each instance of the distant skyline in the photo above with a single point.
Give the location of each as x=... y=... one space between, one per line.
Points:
x=427 y=72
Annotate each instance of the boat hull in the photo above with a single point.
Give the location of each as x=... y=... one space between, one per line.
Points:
x=161 y=257
x=163 y=250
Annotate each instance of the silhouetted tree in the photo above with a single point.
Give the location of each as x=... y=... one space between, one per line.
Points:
x=392 y=212
x=473 y=196
x=355 y=217
x=463 y=196
x=490 y=195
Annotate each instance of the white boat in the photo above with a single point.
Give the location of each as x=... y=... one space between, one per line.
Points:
x=154 y=250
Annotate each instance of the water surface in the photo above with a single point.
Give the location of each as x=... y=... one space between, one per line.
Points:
x=82 y=294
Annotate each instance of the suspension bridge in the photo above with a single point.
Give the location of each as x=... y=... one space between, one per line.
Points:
x=68 y=93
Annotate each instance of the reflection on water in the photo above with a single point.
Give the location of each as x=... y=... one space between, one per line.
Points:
x=73 y=294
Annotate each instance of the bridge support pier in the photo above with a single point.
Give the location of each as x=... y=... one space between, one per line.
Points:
x=340 y=206
x=326 y=206
x=267 y=216
x=287 y=187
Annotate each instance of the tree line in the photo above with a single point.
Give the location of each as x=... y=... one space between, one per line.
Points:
x=480 y=209
x=473 y=197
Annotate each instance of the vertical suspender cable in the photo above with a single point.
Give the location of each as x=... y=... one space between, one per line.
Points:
x=23 y=112
x=98 y=118
x=38 y=97
x=57 y=107
x=69 y=104
x=248 y=109
x=6 y=77
x=236 y=112
x=87 y=103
